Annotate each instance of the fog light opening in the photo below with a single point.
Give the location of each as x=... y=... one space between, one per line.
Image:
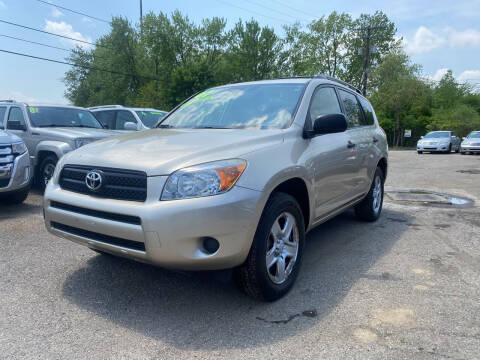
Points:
x=210 y=245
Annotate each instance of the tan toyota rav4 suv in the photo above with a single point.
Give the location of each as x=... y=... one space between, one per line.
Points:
x=232 y=178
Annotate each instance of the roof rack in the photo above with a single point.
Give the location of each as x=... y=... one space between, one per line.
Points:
x=9 y=101
x=105 y=107
x=331 y=78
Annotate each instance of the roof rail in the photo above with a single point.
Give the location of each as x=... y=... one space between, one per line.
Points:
x=9 y=101
x=331 y=78
x=105 y=107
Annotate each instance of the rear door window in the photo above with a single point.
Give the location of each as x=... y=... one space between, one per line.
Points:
x=353 y=113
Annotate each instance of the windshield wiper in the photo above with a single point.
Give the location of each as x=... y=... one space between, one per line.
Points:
x=211 y=127
x=165 y=126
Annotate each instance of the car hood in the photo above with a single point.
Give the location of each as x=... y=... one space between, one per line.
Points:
x=75 y=133
x=162 y=151
x=6 y=138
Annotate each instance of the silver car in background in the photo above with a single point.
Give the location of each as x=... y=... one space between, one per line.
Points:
x=15 y=169
x=121 y=118
x=50 y=131
x=471 y=144
x=439 y=141
x=231 y=178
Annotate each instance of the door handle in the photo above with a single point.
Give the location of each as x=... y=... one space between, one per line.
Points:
x=375 y=140
x=350 y=144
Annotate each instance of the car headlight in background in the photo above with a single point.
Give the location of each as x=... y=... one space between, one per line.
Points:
x=19 y=148
x=203 y=180
x=81 y=142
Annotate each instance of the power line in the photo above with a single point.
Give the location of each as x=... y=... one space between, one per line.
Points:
x=77 y=65
x=74 y=11
x=53 y=34
x=294 y=9
x=268 y=8
x=254 y=12
x=37 y=43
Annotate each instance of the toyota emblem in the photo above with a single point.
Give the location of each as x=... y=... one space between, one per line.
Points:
x=94 y=180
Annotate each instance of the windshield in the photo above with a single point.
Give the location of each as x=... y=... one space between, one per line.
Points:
x=150 y=117
x=50 y=116
x=474 y=135
x=260 y=106
x=438 y=134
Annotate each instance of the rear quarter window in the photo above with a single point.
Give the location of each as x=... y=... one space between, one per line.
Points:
x=368 y=111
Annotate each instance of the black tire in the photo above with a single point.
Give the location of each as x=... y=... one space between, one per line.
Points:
x=457 y=150
x=15 y=198
x=44 y=168
x=463 y=152
x=365 y=210
x=420 y=152
x=252 y=276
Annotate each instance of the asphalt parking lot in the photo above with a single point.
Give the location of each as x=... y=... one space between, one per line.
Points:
x=405 y=287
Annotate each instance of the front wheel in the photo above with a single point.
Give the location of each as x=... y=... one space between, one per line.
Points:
x=46 y=170
x=276 y=254
x=420 y=152
x=371 y=207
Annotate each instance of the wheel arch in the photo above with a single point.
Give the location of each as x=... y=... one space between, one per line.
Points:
x=383 y=164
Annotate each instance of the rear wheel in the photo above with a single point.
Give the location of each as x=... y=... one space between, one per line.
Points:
x=420 y=152
x=371 y=207
x=46 y=170
x=276 y=254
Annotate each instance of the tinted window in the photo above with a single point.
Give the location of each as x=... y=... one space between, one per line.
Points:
x=3 y=109
x=107 y=118
x=15 y=114
x=150 y=118
x=256 y=106
x=368 y=111
x=353 y=112
x=324 y=101
x=474 y=135
x=52 y=116
x=123 y=117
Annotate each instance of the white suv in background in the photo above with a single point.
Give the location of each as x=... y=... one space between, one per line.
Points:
x=118 y=117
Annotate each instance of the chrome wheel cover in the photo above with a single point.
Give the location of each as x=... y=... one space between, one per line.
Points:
x=377 y=194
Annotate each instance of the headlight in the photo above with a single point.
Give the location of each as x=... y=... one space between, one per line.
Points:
x=203 y=180
x=19 y=148
x=81 y=142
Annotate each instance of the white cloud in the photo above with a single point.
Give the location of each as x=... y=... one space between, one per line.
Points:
x=424 y=40
x=469 y=37
x=469 y=76
x=56 y=13
x=439 y=74
x=65 y=29
x=2 y=5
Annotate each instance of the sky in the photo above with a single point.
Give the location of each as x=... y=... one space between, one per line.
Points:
x=439 y=35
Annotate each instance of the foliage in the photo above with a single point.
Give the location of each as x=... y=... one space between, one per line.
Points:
x=168 y=58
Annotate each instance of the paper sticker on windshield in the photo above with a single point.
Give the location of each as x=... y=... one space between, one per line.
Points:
x=144 y=113
x=203 y=96
x=156 y=113
x=33 y=110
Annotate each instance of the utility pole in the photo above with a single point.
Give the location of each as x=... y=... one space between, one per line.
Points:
x=141 y=15
x=368 y=49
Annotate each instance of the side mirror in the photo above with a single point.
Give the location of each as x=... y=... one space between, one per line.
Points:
x=330 y=124
x=463 y=138
x=130 y=126
x=421 y=137
x=16 y=125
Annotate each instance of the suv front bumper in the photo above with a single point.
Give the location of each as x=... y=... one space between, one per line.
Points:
x=432 y=148
x=16 y=175
x=165 y=233
x=470 y=148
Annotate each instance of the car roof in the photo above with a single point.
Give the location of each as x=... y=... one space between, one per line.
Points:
x=37 y=104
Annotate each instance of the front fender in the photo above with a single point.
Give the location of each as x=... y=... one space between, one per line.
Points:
x=59 y=148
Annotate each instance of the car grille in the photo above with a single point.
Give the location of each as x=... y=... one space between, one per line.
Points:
x=6 y=164
x=117 y=184
x=6 y=156
x=107 y=239
x=129 y=219
x=476 y=144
